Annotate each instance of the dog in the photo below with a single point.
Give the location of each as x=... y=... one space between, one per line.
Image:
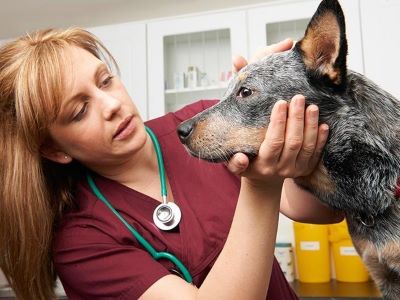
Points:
x=360 y=165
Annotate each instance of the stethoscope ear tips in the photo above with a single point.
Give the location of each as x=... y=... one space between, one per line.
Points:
x=167 y=216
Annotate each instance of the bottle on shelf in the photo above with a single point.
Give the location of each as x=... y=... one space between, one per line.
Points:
x=193 y=77
x=179 y=80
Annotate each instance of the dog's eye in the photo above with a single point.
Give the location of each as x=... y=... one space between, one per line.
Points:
x=245 y=92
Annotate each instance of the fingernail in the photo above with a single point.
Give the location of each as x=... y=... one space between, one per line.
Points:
x=324 y=127
x=313 y=111
x=282 y=106
x=299 y=101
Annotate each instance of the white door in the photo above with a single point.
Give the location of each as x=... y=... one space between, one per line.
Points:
x=127 y=44
x=189 y=58
x=381 y=42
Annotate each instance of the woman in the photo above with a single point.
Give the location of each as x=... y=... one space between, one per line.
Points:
x=64 y=115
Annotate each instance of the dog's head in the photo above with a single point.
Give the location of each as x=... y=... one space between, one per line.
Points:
x=315 y=68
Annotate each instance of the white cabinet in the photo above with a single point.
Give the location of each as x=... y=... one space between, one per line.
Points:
x=191 y=58
x=271 y=23
x=380 y=25
x=127 y=44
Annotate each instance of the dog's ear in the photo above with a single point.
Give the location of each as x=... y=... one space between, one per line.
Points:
x=324 y=46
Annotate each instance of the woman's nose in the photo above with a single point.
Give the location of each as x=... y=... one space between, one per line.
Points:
x=111 y=105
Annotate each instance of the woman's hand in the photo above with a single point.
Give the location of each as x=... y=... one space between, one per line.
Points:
x=292 y=146
x=240 y=62
x=294 y=141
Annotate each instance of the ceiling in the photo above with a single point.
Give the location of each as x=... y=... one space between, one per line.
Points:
x=20 y=16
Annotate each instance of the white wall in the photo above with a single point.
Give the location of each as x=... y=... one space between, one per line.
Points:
x=16 y=19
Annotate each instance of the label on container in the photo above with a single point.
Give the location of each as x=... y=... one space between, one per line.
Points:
x=310 y=246
x=348 y=251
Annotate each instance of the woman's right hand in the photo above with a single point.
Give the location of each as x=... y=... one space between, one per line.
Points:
x=239 y=62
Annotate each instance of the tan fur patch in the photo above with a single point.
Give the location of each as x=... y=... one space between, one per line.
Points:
x=379 y=260
x=319 y=180
x=369 y=255
x=321 y=46
x=250 y=136
x=243 y=76
x=200 y=127
x=208 y=139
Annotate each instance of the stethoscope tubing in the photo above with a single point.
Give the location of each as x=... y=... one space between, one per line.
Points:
x=160 y=163
x=141 y=240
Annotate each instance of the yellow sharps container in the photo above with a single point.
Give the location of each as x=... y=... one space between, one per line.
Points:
x=348 y=264
x=312 y=252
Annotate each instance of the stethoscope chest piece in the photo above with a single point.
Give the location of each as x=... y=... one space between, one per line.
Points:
x=167 y=216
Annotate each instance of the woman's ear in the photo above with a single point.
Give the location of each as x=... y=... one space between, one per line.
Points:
x=53 y=153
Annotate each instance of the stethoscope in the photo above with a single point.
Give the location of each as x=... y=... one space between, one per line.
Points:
x=166 y=216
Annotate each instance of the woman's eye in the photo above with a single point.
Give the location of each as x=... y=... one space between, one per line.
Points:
x=81 y=112
x=106 y=82
x=245 y=92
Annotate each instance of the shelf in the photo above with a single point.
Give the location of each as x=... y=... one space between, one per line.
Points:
x=336 y=290
x=197 y=89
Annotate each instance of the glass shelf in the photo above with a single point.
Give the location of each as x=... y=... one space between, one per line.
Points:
x=196 y=66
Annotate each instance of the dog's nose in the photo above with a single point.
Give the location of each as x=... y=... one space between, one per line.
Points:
x=185 y=130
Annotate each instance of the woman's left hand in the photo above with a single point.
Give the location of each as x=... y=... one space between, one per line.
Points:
x=292 y=146
x=293 y=132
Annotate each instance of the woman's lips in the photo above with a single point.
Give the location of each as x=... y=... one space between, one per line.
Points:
x=124 y=129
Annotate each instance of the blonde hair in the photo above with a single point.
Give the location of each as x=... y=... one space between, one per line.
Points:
x=34 y=192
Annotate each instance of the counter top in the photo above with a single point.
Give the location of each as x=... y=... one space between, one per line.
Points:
x=336 y=290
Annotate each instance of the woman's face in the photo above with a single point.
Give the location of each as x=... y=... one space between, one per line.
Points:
x=98 y=123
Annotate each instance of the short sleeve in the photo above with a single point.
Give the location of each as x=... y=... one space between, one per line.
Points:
x=103 y=269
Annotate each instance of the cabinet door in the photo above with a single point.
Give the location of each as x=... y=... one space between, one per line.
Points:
x=381 y=42
x=127 y=43
x=272 y=23
x=189 y=58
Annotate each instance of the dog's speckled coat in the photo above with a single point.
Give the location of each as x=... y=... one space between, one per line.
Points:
x=360 y=165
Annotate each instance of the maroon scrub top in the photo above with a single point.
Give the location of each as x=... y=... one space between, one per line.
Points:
x=95 y=255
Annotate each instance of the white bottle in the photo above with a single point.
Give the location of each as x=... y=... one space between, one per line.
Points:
x=193 y=77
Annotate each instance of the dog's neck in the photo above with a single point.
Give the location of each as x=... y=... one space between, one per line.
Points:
x=377 y=228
